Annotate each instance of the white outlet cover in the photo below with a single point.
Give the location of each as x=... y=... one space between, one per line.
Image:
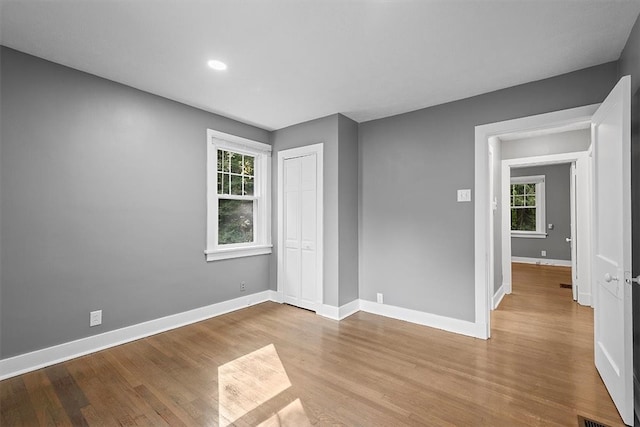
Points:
x=464 y=195
x=95 y=318
x=379 y=298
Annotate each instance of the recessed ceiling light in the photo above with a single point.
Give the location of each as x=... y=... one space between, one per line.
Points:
x=217 y=65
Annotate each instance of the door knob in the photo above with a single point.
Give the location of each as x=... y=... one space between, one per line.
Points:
x=568 y=239
x=608 y=278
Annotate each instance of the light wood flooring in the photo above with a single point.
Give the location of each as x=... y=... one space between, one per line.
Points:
x=276 y=365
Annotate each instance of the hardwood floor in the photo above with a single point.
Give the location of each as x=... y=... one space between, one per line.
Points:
x=275 y=365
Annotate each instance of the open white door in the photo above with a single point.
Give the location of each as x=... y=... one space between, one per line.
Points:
x=611 y=138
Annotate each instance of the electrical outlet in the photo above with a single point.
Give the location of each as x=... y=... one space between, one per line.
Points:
x=95 y=318
x=543 y=253
x=379 y=298
x=243 y=286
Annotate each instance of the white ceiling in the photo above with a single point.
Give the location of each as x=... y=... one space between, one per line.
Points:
x=296 y=60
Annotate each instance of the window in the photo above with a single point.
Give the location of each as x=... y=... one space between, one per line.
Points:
x=527 y=206
x=238 y=197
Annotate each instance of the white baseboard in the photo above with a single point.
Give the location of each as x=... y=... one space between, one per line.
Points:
x=348 y=309
x=275 y=296
x=27 y=362
x=542 y=261
x=38 y=359
x=585 y=299
x=328 y=311
x=427 y=319
x=497 y=297
x=339 y=313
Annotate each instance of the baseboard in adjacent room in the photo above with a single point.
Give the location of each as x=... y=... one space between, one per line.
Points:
x=497 y=297
x=542 y=261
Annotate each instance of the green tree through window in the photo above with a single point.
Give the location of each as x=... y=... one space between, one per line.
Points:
x=236 y=202
x=524 y=206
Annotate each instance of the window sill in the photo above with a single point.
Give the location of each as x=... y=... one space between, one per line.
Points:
x=529 y=234
x=216 y=255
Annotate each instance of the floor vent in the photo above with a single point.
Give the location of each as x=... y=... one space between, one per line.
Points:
x=566 y=285
x=586 y=422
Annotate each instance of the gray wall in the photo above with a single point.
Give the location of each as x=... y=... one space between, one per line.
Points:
x=630 y=58
x=339 y=135
x=630 y=65
x=417 y=241
x=556 y=143
x=348 y=210
x=558 y=212
x=103 y=206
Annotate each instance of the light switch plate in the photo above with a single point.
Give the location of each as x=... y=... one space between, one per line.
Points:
x=464 y=195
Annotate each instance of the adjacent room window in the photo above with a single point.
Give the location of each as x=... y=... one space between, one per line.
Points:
x=238 y=197
x=527 y=206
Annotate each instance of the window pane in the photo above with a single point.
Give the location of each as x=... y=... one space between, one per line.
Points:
x=236 y=185
x=223 y=183
x=517 y=189
x=248 y=186
x=235 y=221
x=523 y=219
x=225 y=161
x=220 y=161
x=530 y=189
x=248 y=166
x=518 y=201
x=530 y=200
x=235 y=160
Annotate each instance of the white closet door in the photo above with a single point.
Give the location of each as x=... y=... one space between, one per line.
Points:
x=300 y=231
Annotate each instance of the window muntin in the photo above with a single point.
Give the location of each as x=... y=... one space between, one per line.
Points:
x=235 y=173
x=238 y=197
x=527 y=206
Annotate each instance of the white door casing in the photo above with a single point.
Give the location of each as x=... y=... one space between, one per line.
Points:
x=611 y=260
x=300 y=226
x=565 y=119
x=573 y=238
x=491 y=262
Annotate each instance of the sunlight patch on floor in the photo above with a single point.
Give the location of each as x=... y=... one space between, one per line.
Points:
x=292 y=415
x=250 y=381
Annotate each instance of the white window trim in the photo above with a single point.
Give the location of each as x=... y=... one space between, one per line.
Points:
x=540 y=232
x=262 y=191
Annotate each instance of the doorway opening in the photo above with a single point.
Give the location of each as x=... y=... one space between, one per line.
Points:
x=545 y=218
x=493 y=192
